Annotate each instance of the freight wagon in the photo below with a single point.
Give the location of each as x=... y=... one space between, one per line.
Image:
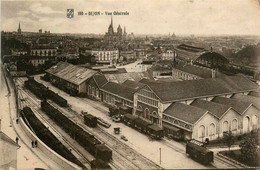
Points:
x=196 y=150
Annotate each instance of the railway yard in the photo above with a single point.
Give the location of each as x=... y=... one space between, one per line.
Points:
x=136 y=153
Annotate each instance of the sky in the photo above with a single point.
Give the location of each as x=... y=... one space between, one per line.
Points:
x=182 y=17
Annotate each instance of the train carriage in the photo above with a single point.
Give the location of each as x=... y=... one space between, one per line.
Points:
x=129 y=119
x=198 y=152
x=155 y=131
x=103 y=152
x=90 y=120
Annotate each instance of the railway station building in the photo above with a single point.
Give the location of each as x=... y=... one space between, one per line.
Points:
x=199 y=56
x=178 y=104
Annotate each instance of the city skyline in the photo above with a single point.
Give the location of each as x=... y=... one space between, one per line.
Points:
x=159 y=17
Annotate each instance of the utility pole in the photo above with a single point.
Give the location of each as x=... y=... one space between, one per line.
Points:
x=160 y=155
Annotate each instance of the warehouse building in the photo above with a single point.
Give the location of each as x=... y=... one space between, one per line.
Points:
x=69 y=77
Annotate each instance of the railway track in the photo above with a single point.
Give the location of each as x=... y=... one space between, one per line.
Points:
x=56 y=133
x=119 y=162
x=122 y=153
x=130 y=155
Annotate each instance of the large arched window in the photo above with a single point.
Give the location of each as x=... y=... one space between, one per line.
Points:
x=225 y=126
x=246 y=124
x=212 y=131
x=147 y=113
x=202 y=133
x=234 y=126
x=254 y=121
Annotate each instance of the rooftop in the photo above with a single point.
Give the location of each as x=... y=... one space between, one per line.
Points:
x=255 y=93
x=187 y=113
x=122 y=77
x=237 y=105
x=198 y=71
x=191 y=89
x=133 y=84
x=71 y=73
x=215 y=108
x=120 y=90
x=100 y=80
x=249 y=99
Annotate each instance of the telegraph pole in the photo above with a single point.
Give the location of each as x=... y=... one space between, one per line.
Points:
x=160 y=155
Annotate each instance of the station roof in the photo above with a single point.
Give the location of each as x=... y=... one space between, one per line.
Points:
x=187 y=113
x=100 y=80
x=249 y=99
x=198 y=71
x=121 y=77
x=190 y=89
x=120 y=90
x=239 y=106
x=254 y=93
x=133 y=84
x=71 y=73
x=189 y=52
x=216 y=109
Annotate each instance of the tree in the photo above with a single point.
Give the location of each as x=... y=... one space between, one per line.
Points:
x=249 y=148
x=228 y=139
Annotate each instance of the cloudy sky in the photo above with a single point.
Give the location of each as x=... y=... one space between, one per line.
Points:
x=203 y=17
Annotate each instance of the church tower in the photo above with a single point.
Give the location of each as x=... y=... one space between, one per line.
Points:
x=119 y=30
x=124 y=31
x=110 y=28
x=19 y=29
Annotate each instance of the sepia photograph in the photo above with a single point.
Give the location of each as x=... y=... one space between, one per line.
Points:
x=129 y=84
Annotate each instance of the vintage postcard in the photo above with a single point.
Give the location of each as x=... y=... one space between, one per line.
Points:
x=130 y=84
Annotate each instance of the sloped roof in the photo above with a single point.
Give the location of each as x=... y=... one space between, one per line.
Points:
x=121 y=77
x=215 y=108
x=254 y=93
x=249 y=99
x=239 y=83
x=198 y=71
x=133 y=84
x=100 y=80
x=71 y=73
x=6 y=138
x=120 y=90
x=188 y=52
x=187 y=113
x=182 y=90
x=237 y=105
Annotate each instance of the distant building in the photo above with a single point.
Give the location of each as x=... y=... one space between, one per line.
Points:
x=69 y=77
x=18 y=52
x=105 y=56
x=8 y=152
x=128 y=55
x=168 y=54
x=43 y=51
x=112 y=37
x=200 y=56
x=19 y=31
x=40 y=31
x=193 y=72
